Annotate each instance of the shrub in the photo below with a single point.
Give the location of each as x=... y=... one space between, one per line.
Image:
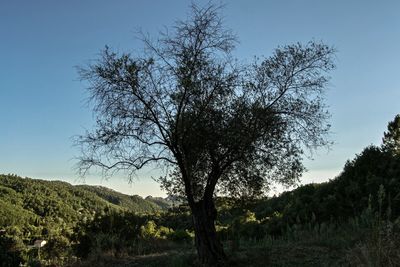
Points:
x=181 y=236
x=10 y=251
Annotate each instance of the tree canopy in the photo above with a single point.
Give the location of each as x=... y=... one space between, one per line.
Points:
x=391 y=138
x=187 y=103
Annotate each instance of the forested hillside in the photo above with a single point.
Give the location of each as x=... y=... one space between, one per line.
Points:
x=32 y=209
x=132 y=203
x=62 y=200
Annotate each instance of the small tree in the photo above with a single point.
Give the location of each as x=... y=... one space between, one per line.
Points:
x=391 y=138
x=215 y=123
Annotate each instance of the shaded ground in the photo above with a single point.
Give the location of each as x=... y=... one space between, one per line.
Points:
x=168 y=259
x=288 y=254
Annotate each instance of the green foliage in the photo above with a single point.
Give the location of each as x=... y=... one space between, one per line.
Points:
x=372 y=178
x=33 y=209
x=176 y=218
x=161 y=202
x=181 y=236
x=10 y=251
x=149 y=230
x=57 y=250
x=381 y=246
x=391 y=138
x=108 y=231
x=132 y=203
x=55 y=199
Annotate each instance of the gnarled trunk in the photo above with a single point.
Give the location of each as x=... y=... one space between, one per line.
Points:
x=209 y=248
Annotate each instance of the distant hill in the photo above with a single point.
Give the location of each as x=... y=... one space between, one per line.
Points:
x=133 y=203
x=164 y=203
x=25 y=201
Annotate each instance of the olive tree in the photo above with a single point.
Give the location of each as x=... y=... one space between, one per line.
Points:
x=214 y=122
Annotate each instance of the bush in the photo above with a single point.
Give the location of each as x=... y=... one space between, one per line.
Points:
x=10 y=251
x=149 y=230
x=382 y=247
x=181 y=236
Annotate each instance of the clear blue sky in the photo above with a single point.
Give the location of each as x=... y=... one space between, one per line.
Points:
x=42 y=100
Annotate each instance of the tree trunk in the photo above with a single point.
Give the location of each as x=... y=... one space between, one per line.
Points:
x=209 y=248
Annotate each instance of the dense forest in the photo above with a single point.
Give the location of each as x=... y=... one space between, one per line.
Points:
x=351 y=220
x=34 y=209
